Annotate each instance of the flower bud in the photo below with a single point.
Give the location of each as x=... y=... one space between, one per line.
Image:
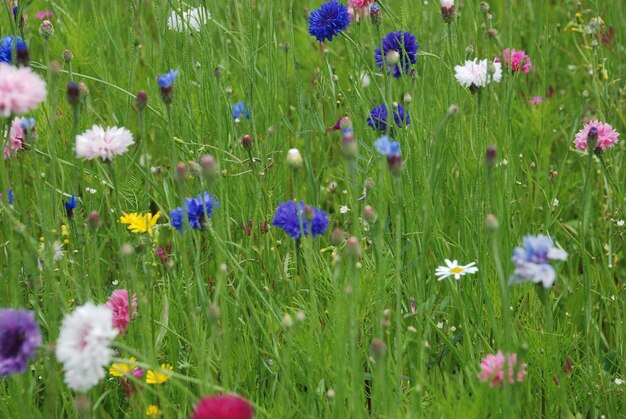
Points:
x=483 y=7
x=294 y=158
x=246 y=141
x=93 y=221
x=353 y=247
x=67 y=56
x=453 y=110
x=376 y=15
x=214 y=312
x=181 y=171
x=336 y=236
x=378 y=349
x=22 y=55
x=491 y=222
x=46 y=30
x=141 y=99
x=395 y=165
x=208 y=166
x=491 y=156
x=369 y=214
x=592 y=138
x=309 y=213
x=73 y=93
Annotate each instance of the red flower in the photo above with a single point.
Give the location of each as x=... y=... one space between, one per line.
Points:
x=223 y=407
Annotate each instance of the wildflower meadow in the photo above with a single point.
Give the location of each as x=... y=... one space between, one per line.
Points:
x=312 y=209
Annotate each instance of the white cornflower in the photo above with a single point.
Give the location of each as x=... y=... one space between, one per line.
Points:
x=84 y=343
x=474 y=74
x=344 y=209
x=191 y=20
x=454 y=269
x=104 y=143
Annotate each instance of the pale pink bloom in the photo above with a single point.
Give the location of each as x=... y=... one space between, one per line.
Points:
x=607 y=136
x=16 y=138
x=118 y=303
x=21 y=90
x=104 y=143
x=474 y=74
x=536 y=100
x=356 y=7
x=493 y=369
x=447 y=3
x=517 y=60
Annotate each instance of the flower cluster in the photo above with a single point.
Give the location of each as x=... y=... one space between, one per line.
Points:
x=198 y=210
x=295 y=219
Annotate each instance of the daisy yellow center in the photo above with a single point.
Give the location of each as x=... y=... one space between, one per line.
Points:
x=456 y=270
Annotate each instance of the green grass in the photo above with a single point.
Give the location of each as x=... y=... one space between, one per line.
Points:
x=321 y=366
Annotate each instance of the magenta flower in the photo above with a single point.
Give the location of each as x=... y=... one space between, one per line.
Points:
x=517 y=61
x=16 y=139
x=21 y=90
x=493 y=367
x=607 y=136
x=118 y=302
x=44 y=14
x=356 y=7
x=536 y=100
x=226 y=406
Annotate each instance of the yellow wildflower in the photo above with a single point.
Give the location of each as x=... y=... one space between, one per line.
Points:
x=152 y=411
x=140 y=223
x=159 y=376
x=122 y=369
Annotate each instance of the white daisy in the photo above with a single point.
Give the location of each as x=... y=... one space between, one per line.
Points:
x=192 y=20
x=84 y=345
x=454 y=269
x=104 y=143
x=474 y=74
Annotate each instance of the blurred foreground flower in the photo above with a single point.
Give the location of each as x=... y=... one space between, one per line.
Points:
x=159 y=376
x=191 y=19
x=493 y=369
x=19 y=339
x=84 y=345
x=531 y=261
x=118 y=303
x=223 y=407
x=21 y=90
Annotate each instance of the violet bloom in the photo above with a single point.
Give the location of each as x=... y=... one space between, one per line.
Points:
x=606 y=135
x=294 y=222
x=399 y=51
x=118 y=303
x=19 y=339
x=379 y=116
x=532 y=261
x=492 y=369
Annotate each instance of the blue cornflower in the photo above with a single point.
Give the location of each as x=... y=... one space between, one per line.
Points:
x=290 y=219
x=531 y=261
x=378 y=118
x=176 y=218
x=166 y=80
x=6 y=47
x=10 y=196
x=69 y=206
x=399 y=51
x=239 y=109
x=326 y=22
x=198 y=209
x=387 y=147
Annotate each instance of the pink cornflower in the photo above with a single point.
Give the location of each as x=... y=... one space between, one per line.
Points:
x=118 y=303
x=607 y=136
x=44 y=14
x=223 y=407
x=536 y=100
x=493 y=366
x=517 y=60
x=356 y=7
x=16 y=138
x=21 y=90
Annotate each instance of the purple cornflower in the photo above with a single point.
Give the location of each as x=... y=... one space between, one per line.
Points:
x=294 y=222
x=19 y=339
x=531 y=261
x=69 y=206
x=166 y=82
x=326 y=22
x=239 y=109
x=379 y=116
x=387 y=147
x=198 y=209
x=399 y=51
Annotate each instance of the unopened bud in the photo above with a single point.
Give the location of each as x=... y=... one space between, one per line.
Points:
x=592 y=138
x=491 y=156
x=376 y=15
x=93 y=221
x=483 y=7
x=492 y=33
x=337 y=236
x=369 y=214
x=46 y=30
x=182 y=171
x=214 y=312
x=309 y=213
x=469 y=50
x=67 y=56
x=208 y=166
x=294 y=158
x=22 y=55
x=378 y=349
x=453 y=110
x=407 y=98
x=353 y=247
x=73 y=94
x=369 y=183
x=491 y=222
x=395 y=165
x=287 y=321
x=141 y=100
x=246 y=141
